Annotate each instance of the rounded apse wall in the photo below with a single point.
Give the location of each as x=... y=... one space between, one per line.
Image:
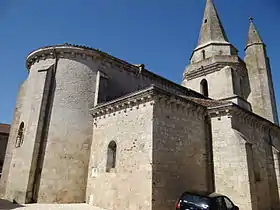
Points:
x=60 y=174
x=6 y=184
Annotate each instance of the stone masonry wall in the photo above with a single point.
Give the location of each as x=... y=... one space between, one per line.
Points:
x=262 y=96
x=245 y=160
x=30 y=111
x=224 y=78
x=263 y=175
x=230 y=163
x=65 y=165
x=276 y=158
x=68 y=133
x=210 y=51
x=129 y=185
x=11 y=141
x=180 y=152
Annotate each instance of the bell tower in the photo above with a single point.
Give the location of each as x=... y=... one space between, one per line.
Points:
x=215 y=70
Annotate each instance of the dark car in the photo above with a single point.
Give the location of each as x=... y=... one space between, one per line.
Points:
x=204 y=201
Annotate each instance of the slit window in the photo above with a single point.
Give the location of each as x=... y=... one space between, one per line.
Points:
x=111 y=156
x=19 y=139
x=204 y=88
x=203 y=54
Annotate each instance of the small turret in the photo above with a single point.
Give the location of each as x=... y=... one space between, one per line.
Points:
x=261 y=97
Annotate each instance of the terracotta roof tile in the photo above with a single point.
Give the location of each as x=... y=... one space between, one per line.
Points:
x=4 y=128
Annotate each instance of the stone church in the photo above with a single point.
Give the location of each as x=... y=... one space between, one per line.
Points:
x=89 y=127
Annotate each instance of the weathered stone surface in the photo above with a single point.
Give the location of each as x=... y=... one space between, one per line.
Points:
x=11 y=141
x=160 y=145
x=22 y=156
x=261 y=97
x=180 y=153
x=166 y=138
x=129 y=185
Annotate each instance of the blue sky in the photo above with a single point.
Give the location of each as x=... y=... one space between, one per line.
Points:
x=159 y=33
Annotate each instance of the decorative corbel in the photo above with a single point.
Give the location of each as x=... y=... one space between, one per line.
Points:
x=228 y=113
x=218 y=115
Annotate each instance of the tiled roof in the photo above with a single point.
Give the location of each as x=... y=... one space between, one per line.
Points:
x=207 y=102
x=4 y=128
x=148 y=73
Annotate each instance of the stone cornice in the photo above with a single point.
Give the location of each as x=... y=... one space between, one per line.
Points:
x=256 y=43
x=127 y=101
x=215 y=44
x=203 y=70
x=150 y=95
x=83 y=52
x=244 y=116
x=62 y=51
x=222 y=43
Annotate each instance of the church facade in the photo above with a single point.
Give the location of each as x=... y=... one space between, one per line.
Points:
x=89 y=127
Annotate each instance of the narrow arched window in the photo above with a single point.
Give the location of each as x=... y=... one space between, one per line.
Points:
x=203 y=54
x=111 y=156
x=204 y=87
x=19 y=139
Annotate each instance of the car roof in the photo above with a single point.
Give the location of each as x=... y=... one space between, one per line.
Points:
x=203 y=193
x=213 y=195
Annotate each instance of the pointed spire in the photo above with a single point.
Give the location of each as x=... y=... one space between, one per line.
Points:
x=211 y=28
x=253 y=35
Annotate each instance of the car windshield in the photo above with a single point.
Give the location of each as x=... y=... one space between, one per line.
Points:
x=200 y=202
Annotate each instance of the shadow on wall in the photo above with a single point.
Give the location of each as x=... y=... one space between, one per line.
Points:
x=5 y=204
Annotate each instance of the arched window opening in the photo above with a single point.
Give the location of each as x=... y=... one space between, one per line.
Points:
x=204 y=88
x=111 y=156
x=19 y=139
x=203 y=54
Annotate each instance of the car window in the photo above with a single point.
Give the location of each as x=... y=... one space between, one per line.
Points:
x=196 y=200
x=220 y=204
x=228 y=203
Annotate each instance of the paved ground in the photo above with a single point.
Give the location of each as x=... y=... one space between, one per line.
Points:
x=4 y=204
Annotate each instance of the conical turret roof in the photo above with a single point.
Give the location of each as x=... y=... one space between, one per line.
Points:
x=253 y=35
x=212 y=29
